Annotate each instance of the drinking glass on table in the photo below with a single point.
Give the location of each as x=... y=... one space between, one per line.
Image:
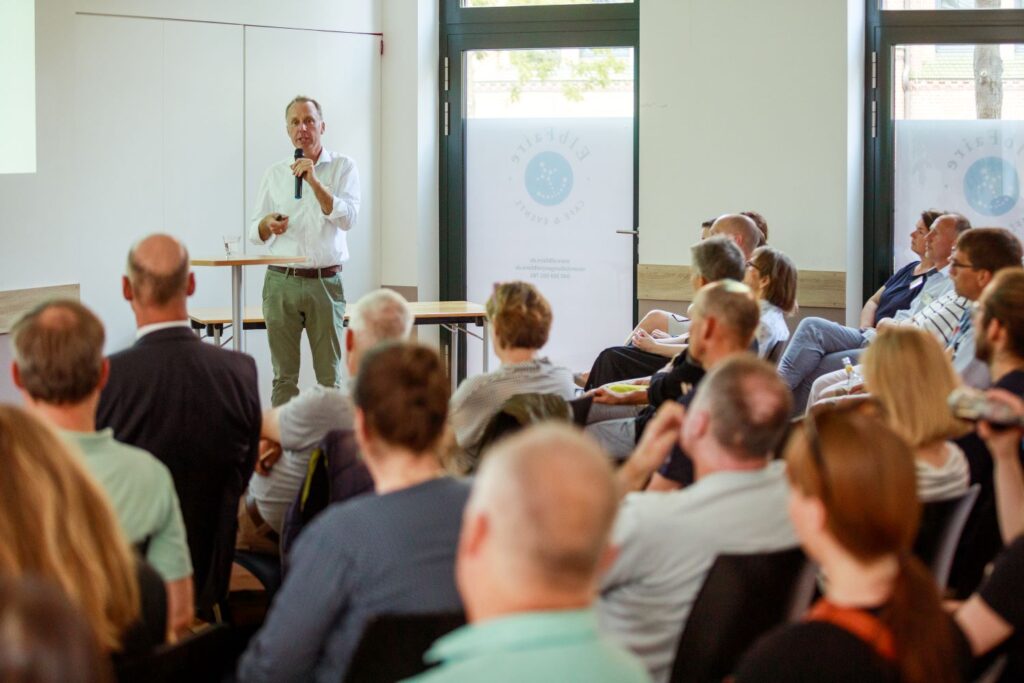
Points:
x=232 y=244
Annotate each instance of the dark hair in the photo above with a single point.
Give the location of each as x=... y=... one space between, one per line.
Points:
x=761 y=223
x=782 y=277
x=709 y=222
x=718 y=258
x=749 y=406
x=402 y=390
x=43 y=638
x=990 y=249
x=929 y=216
x=520 y=314
x=58 y=348
x=863 y=474
x=158 y=289
x=1004 y=301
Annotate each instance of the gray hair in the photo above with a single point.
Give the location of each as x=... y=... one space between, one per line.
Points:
x=299 y=99
x=718 y=258
x=381 y=315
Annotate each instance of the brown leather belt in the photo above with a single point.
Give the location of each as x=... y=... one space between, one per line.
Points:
x=261 y=525
x=329 y=271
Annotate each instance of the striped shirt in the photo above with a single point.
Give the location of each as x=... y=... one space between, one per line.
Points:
x=480 y=397
x=941 y=317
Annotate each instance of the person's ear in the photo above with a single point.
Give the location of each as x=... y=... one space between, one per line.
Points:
x=475 y=530
x=984 y=277
x=191 y=288
x=360 y=429
x=350 y=340
x=104 y=374
x=126 y=288
x=16 y=376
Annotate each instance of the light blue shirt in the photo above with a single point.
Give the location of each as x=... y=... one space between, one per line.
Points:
x=935 y=287
x=559 y=646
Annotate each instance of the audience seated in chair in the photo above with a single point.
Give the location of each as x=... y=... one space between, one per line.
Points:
x=389 y=553
x=44 y=638
x=295 y=428
x=979 y=254
x=520 y=320
x=910 y=376
x=818 y=345
x=57 y=524
x=994 y=616
x=192 y=405
x=668 y=541
x=851 y=499
x=713 y=260
x=725 y=318
x=998 y=327
x=60 y=370
x=533 y=543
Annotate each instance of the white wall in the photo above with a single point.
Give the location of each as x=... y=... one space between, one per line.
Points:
x=144 y=124
x=753 y=105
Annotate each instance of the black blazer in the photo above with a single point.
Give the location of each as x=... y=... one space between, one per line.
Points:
x=196 y=408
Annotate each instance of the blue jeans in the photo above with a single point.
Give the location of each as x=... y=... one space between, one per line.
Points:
x=817 y=347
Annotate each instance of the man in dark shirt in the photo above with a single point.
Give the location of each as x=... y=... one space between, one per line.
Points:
x=192 y=405
x=724 y=319
x=998 y=323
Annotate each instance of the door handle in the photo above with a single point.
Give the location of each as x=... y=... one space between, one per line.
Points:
x=627 y=232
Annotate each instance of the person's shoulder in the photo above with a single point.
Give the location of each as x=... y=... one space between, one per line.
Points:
x=812 y=651
x=140 y=464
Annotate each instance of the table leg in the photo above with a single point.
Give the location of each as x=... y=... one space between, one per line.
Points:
x=453 y=357
x=236 y=309
x=487 y=345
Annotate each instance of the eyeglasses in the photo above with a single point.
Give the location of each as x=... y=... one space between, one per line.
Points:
x=751 y=264
x=965 y=266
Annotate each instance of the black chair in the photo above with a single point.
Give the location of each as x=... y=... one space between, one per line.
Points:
x=942 y=522
x=518 y=412
x=209 y=655
x=393 y=645
x=264 y=566
x=743 y=597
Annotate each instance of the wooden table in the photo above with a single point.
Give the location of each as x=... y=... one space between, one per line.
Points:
x=236 y=263
x=452 y=315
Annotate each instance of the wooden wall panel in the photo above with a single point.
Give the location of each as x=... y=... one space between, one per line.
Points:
x=15 y=302
x=816 y=288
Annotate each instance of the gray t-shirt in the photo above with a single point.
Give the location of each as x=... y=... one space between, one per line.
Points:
x=304 y=421
x=667 y=544
x=480 y=397
x=377 y=554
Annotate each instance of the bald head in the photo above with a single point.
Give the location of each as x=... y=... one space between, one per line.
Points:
x=158 y=270
x=549 y=499
x=739 y=228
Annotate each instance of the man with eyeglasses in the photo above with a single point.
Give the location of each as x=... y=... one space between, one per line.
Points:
x=979 y=254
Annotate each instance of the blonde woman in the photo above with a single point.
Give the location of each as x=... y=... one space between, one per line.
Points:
x=910 y=375
x=56 y=524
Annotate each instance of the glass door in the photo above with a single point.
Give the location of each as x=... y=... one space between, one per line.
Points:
x=542 y=148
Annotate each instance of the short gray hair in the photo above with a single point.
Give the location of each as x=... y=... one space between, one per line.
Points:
x=718 y=258
x=299 y=99
x=381 y=315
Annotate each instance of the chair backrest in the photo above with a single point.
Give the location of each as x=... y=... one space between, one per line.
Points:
x=393 y=645
x=743 y=597
x=942 y=522
x=209 y=655
x=520 y=411
x=335 y=473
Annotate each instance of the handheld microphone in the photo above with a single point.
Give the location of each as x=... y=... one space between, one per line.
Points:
x=298 y=178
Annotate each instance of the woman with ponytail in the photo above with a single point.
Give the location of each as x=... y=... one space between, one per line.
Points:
x=853 y=503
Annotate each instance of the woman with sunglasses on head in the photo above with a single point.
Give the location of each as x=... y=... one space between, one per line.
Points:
x=852 y=502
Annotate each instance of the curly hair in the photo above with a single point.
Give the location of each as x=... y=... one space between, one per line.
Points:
x=520 y=315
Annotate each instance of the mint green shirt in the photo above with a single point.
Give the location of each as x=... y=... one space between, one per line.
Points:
x=559 y=646
x=142 y=493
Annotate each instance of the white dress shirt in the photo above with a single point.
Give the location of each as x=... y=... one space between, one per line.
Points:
x=311 y=233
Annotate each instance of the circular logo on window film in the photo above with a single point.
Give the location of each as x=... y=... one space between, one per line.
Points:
x=992 y=186
x=548 y=178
